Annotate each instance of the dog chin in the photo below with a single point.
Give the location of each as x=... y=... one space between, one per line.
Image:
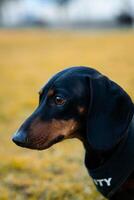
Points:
x=41 y=146
x=35 y=147
x=44 y=146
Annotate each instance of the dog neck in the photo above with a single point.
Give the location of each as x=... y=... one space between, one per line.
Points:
x=105 y=166
x=95 y=158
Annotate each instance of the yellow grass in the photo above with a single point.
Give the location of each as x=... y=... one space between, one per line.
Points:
x=27 y=59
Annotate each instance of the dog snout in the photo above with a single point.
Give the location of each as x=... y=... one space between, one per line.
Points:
x=20 y=138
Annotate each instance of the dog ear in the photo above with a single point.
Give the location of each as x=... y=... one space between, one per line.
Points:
x=109 y=115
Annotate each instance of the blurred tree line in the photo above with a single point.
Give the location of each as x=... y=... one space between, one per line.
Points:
x=61 y=3
x=2 y=2
x=125 y=16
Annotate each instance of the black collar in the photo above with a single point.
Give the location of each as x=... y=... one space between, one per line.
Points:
x=114 y=172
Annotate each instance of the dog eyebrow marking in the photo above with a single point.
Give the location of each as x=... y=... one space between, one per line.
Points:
x=50 y=92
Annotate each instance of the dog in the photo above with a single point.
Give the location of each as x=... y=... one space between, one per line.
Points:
x=80 y=102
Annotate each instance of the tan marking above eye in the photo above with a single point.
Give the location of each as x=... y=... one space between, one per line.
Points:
x=50 y=92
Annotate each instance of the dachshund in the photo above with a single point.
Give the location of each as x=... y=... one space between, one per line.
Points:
x=80 y=102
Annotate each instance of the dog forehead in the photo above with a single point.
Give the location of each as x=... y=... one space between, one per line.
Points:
x=71 y=82
x=73 y=78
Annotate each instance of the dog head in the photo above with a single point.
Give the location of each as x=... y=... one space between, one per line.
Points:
x=81 y=103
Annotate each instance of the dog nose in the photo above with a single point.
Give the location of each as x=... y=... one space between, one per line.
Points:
x=20 y=138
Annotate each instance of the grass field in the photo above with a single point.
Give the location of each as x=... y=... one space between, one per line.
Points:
x=27 y=60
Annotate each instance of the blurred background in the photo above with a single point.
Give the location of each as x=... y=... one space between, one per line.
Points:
x=66 y=13
x=38 y=38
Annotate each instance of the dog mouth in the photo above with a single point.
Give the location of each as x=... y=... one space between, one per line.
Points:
x=39 y=145
x=50 y=143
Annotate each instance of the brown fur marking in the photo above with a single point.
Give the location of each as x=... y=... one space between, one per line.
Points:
x=50 y=92
x=42 y=133
x=81 y=109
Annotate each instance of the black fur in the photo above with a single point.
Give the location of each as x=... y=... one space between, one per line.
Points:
x=106 y=116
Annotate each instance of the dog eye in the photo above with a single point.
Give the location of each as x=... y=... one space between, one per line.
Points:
x=59 y=100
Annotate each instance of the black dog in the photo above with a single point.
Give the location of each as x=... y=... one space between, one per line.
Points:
x=79 y=102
